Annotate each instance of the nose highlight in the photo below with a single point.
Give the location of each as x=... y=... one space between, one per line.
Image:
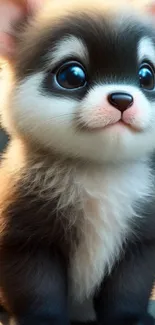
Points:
x=121 y=101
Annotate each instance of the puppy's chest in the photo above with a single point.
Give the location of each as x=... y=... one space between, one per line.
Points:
x=108 y=208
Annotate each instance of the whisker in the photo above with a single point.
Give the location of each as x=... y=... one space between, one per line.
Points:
x=63 y=115
x=80 y=125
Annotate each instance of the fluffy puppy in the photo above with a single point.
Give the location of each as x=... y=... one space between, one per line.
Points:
x=77 y=201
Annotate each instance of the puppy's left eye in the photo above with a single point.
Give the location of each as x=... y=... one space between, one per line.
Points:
x=146 y=77
x=71 y=75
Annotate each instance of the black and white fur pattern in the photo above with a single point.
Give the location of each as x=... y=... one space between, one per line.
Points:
x=77 y=208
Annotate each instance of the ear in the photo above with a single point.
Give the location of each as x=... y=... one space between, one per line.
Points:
x=12 y=12
x=151 y=8
x=147 y=5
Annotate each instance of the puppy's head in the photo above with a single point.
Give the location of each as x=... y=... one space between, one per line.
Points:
x=84 y=81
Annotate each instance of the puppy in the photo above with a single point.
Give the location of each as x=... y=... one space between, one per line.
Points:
x=77 y=201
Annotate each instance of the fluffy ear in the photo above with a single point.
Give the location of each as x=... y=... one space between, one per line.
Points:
x=12 y=12
x=151 y=8
x=148 y=5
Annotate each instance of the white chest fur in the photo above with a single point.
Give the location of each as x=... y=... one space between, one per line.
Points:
x=108 y=203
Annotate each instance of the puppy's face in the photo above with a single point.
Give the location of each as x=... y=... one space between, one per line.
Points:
x=85 y=86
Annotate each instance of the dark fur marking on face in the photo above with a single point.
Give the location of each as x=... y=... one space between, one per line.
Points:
x=112 y=52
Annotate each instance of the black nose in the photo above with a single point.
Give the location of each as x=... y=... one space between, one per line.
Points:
x=120 y=100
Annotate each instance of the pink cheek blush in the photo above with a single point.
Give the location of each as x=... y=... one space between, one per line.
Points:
x=132 y=114
x=100 y=117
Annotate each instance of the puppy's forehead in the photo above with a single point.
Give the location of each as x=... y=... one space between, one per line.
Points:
x=100 y=41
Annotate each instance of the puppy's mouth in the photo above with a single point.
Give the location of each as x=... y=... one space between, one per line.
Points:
x=119 y=125
x=109 y=118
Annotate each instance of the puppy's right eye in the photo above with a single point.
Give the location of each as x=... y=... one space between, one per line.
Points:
x=71 y=76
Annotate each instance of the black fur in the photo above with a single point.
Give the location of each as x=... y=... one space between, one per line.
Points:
x=124 y=295
x=34 y=249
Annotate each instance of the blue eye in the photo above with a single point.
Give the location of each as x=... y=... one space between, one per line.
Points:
x=71 y=76
x=146 y=77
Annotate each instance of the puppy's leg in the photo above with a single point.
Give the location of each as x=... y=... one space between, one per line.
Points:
x=34 y=287
x=124 y=295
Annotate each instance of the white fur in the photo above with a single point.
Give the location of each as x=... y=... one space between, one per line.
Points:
x=67 y=47
x=146 y=46
x=96 y=100
x=108 y=208
x=31 y=111
x=109 y=196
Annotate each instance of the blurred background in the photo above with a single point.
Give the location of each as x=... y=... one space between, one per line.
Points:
x=3 y=135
